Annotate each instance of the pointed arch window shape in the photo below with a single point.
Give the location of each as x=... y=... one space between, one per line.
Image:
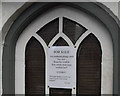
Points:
x=89 y=57
x=34 y=68
x=60 y=42
x=65 y=32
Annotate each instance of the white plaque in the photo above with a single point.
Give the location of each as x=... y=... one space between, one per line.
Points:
x=61 y=67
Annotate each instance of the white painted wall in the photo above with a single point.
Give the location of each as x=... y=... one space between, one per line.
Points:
x=9 y=7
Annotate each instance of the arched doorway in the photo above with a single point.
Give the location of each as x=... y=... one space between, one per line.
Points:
x=88 y=59
x=67 y=30
x=28 y=32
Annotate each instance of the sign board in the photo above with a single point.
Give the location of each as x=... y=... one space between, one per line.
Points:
x=61 y=67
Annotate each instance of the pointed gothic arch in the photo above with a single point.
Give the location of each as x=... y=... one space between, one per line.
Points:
x=36 y=10
x=60 y=42
x=89 y=63
x=34 y=68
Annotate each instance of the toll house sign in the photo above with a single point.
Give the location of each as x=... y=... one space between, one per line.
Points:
x=61 y=67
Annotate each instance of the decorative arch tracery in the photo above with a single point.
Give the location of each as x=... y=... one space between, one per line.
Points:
x=22 y=22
